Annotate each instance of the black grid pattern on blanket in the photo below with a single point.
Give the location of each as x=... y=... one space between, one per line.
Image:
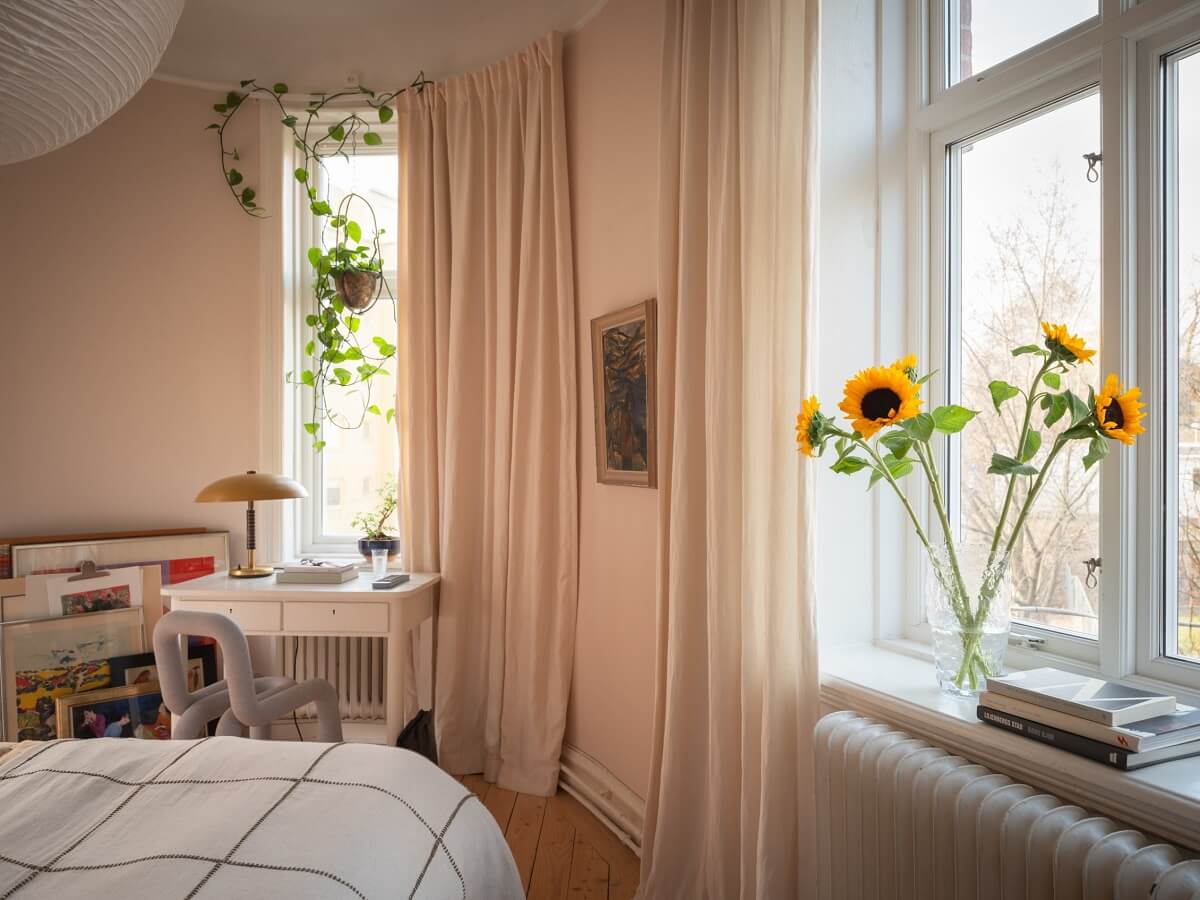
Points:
x=38 y=764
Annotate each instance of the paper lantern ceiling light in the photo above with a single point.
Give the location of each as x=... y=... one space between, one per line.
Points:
x=67 y=65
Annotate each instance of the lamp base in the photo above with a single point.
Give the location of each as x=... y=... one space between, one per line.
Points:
x=251 y=571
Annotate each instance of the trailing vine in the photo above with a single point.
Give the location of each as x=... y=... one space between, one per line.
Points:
x=347 y=268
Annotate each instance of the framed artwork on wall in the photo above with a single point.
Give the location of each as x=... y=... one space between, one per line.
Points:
x=180 y=557
x=624 y=357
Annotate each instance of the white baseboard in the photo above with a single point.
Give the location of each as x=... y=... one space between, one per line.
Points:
x=603 y=795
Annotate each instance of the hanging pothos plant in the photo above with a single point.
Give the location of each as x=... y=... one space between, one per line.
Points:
x=347 y=268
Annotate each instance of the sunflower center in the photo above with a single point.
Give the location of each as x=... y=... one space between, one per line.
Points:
x=880 y=403
x=1113 y=414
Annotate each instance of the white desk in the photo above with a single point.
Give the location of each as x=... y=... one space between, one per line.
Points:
x=261 y=606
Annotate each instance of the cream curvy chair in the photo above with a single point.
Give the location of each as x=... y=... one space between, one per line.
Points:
x=240 y=700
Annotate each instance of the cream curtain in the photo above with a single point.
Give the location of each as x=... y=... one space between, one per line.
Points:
x=488 y=407
x=730 y=811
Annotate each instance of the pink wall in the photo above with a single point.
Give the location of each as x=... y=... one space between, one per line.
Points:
x=129 y=330
x=612 y=75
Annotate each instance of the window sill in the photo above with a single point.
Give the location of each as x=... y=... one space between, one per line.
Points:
x=894 y=685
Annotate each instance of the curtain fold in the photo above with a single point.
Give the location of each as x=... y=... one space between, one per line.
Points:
x=730 y=811
x=488 y=407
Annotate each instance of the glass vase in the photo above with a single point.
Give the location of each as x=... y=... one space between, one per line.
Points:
x=967 y=594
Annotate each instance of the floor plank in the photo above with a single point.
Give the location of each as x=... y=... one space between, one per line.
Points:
x=524 y=829
x=624 y=866
x=476 y=785
x=500 y=803
x=589 y=873
x=552 y=865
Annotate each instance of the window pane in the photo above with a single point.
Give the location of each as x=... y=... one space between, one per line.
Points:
x=1026 y=249
x=358 y=460
x=1183 y=280
x=985 y=32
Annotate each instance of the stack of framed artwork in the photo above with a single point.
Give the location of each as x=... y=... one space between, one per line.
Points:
x=64 y=634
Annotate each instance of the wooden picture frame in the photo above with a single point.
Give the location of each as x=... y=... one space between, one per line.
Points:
x=141 y=704
x=625 y=385
x=180 y=557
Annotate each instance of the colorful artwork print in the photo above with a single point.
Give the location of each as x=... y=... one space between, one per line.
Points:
x=128 y=712
x=99 y=600
x=39 y=689
x=623 y=347
x=149 y=674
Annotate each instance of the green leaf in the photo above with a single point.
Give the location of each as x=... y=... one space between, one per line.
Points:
x=311 y=321
x=220 y=107
x=213 y=125
x=897 y=442
x=314 y=256
x=897 y=467
x=309 y=348
x=234 y=177
x=1052 y=379
x=371 y=139
x=1029 y=348
x=391 y=414
x=952 y=419
x=1033 y=443
x=848 y=465
x=318 y=446
x=354 y=353
x=1097 y=450
x=1006 y=465
x=1079 y=410
x=233 y=98
x=248 y=196
x=301 y=175
x=280 y=87
x=1079 y=431
x=925 y=378
x=1057 y=404
x=311 y=427
x=352 y=322
x=343 y=376
x=245 y=81
x=337 y=132
x=307 y=377
x=289 y=121
x=919 y=427
x=1002 y=391
x=320 y=208
x=354 y=231
x=385 y=113
x=374 y=410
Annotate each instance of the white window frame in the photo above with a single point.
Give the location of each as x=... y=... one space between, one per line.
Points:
x=1116 y=51
x=303 y=530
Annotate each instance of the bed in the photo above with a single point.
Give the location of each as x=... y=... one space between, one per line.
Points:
x=226 y=817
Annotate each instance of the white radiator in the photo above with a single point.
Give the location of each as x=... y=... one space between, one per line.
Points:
x=903 y=819
x=356 y=666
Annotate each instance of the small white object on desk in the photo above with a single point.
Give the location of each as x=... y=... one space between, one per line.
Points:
x=354 y=609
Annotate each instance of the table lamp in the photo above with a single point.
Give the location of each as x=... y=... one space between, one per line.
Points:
x=250 y=487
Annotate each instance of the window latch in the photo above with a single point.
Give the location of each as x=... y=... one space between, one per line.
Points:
x=1093 y=174
x=1029 y=642
x=1093 y=566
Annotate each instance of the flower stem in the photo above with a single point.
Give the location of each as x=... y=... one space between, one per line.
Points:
x=887 y=476
x=1059 y=443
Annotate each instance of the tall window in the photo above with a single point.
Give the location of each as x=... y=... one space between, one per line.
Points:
x=360 y=457
x=1062 y=184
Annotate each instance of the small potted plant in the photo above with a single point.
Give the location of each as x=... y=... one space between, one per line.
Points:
x=374 y=524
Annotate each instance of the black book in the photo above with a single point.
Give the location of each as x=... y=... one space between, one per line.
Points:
x=1085 y=747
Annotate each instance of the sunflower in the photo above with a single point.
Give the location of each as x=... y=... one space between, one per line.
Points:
x=1119 y=414
x=1065 y=345
x=878 y=397
x=907 y=365
x=808 y=426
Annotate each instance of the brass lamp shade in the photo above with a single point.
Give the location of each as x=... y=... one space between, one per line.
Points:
x=247 y=488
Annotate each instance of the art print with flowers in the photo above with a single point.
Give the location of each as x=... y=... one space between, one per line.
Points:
x=890 y=437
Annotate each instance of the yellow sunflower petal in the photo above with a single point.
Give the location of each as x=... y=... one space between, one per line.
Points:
x=804 y=422
x=1059 y=338
x=878 y=397
x=1120 y=412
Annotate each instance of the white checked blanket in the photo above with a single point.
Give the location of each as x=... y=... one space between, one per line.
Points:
x=226 y=818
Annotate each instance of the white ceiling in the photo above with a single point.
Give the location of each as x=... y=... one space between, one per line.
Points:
x=314 y=44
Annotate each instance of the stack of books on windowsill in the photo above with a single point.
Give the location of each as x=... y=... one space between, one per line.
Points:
x=317 y=573
x=1121 y=725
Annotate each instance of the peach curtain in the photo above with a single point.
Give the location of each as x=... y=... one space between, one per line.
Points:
x=730 y=807
x=487 y=404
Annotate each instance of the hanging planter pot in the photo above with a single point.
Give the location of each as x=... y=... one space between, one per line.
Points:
x=358 y=288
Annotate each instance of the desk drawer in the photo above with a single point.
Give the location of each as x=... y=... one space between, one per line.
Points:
x=259 y=615
x=335 y=618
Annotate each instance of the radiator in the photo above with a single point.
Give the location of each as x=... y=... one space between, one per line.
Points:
x=356 y=666
x=903 y=819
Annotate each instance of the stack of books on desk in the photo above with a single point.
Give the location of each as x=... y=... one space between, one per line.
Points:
x=317 y=573
x=1121 y=725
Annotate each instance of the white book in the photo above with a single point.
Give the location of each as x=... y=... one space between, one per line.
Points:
x=1106 y=702
x=325 y=567
x=1179 y=727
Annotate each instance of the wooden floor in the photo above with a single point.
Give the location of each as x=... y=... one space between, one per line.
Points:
x=561 y=849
